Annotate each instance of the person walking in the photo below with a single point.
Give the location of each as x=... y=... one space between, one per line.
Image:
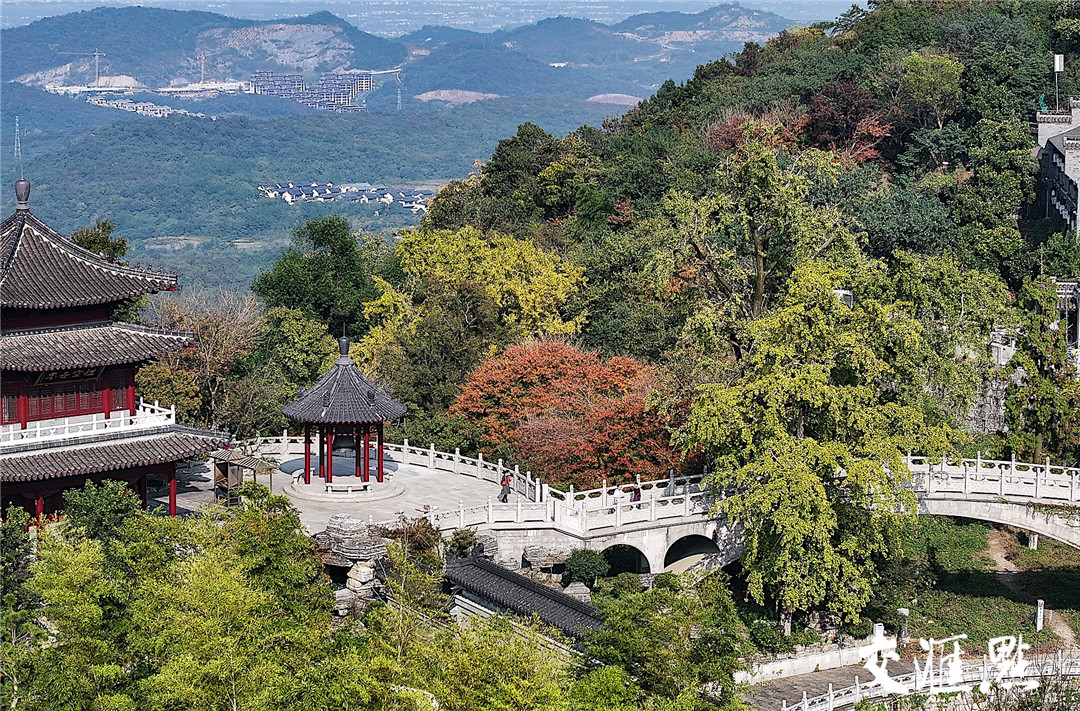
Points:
x=635 y=496
x=504 y=495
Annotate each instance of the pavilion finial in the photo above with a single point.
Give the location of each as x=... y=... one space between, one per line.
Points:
x=343 y=345
x=22 y=194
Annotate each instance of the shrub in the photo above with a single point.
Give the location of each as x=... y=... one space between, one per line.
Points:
x=461 y=543
x=585 y=566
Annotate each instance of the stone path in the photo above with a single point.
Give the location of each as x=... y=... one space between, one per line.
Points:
x=1009 y=578
x=771 y=696
x=420 y=486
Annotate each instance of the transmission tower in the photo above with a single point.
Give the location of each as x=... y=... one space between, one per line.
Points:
x=18 y=149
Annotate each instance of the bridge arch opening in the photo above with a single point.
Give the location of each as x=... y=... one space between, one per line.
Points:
x=688 y=550
x=625 y=558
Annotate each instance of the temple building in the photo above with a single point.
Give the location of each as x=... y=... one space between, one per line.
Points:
x=344 y=404
x=68 y=412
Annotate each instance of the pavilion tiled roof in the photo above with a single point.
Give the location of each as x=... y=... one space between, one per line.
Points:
x=344 y=396
x=519 y=594
x=86 y=346
x=169 y=443
x=41 y=269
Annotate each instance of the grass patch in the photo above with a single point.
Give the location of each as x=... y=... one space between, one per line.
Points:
x=949 y=582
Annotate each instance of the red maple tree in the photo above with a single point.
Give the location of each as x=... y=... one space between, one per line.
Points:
x=570 y=416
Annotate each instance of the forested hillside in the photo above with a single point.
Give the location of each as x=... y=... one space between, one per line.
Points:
x=788 y=266
x=189 y=176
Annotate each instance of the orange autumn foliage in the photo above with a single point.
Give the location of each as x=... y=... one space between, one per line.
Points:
x=573 y=418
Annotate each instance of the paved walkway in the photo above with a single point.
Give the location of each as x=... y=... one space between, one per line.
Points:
x=441 y=491
x=771 y=696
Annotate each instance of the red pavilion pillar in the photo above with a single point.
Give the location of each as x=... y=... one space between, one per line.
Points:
x=330 y=456
x=307 y=453
x=23 y=409
x=172 y=491
x=367 y=452
x=39 y=507
x=322 y=453
x=356 y=449
x=131 y=399
x=378 y=444
x=140 y=484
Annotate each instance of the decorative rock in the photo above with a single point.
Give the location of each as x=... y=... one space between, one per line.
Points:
x=535 y=554
x=490 y=543
x=350 y=539
x=346 y=526
x=344 y=600
x=362 y=573
x=578 y=591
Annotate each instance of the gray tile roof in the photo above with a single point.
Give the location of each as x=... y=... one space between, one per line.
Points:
x=40 y=269
x=344 y=396
x=86 y=346
x=519 y=594
x=1058 y=141
x=169 y=443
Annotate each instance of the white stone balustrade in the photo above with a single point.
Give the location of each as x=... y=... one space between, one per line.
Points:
x=146 y=416
x=609 y=508
x=974 y=673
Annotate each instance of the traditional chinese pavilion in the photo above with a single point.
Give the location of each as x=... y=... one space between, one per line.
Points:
x=67 y=371
x=345 y=404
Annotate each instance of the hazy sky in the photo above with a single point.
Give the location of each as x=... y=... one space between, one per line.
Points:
x=389 y=17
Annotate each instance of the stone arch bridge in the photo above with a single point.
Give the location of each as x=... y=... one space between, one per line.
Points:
x=672 y=519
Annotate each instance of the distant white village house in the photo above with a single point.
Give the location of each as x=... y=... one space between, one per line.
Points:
x=416 y=201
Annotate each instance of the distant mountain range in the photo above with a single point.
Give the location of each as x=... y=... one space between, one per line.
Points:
x=561 y=56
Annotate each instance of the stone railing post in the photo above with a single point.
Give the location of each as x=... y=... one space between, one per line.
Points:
x=431 y=457
x=603 y=492
x=480 y=466
x=457 y=459
x=1046 y=475
x=538 y=490
x=517 y=478
x=405 y=451
x=652 y=504
x=618 y=512
x=967 y=478
x=686 y=502
x=1072 y=485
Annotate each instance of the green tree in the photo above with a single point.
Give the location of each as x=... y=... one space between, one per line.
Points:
x=1042 y=399
x=300 y=346
x=83 y=603
x=806 y=443
x=696 y=621
x=930 y=85
x=326 y=274
x=1002 y=167
x=98 y=239
x=19 y=632
x=740 y=245
x=170 y=387
x=99 y=511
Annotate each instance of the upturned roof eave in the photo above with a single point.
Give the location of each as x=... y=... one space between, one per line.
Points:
x=138 y=281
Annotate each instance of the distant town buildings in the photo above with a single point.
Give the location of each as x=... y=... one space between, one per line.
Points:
x=415 y=200
x=334 y=92
x=143 y=108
